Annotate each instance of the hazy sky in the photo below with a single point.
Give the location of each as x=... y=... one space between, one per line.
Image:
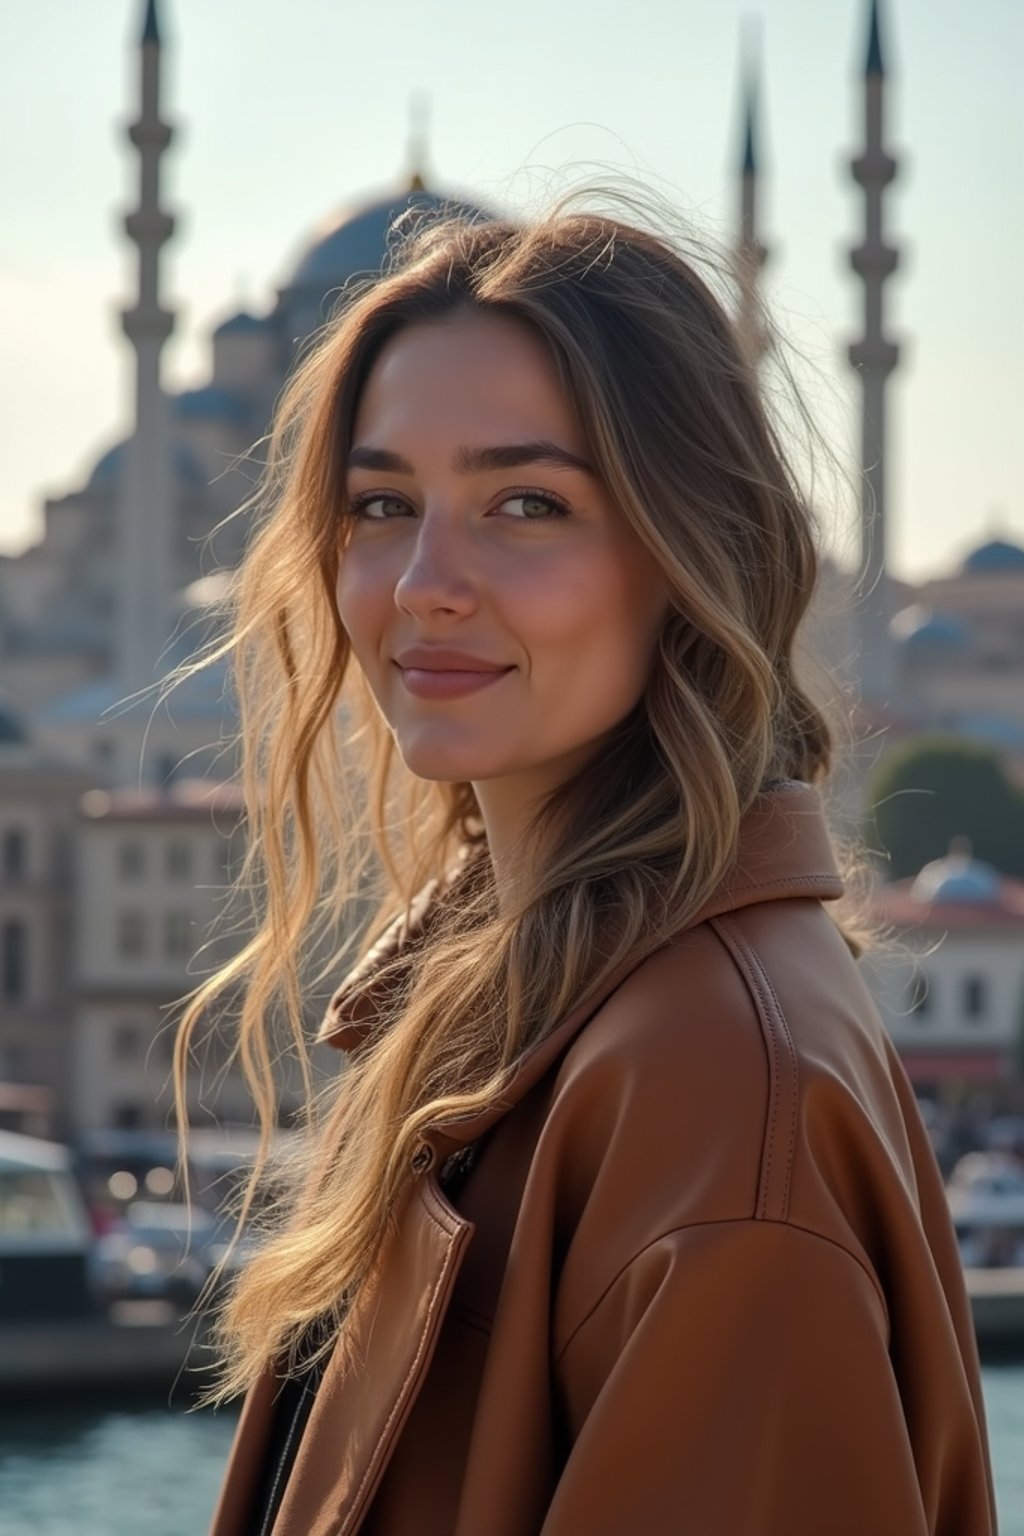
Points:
x=287 y=109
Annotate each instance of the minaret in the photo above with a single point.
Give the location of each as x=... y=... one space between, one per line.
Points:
x=419 y=117
x=145 y=510
x=749 y=255
x=874 y=357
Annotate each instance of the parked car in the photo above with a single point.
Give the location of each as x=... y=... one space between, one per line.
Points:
x=157 y=1251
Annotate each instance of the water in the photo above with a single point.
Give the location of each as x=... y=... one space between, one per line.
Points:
x=155 y=1472
x=111 y=1472
x=1004 y=1405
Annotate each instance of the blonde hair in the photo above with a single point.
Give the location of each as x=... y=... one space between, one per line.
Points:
x=629 y=849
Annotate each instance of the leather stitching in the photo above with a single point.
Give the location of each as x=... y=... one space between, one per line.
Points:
x=726 y=1221
x=782 y=1055
x=372 y=1464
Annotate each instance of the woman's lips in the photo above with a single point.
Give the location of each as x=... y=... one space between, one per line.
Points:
x=447 y=683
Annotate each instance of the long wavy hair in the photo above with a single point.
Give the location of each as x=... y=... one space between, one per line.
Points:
x=626 y=852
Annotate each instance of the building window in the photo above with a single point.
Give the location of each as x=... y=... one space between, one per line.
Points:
x=131 y=859
x=13 y=944
x=14 y=854
x=179 y=860
x=921 y=996
x=131 y=935
x=126 y=1042
x=178 y=940
x=974 y=997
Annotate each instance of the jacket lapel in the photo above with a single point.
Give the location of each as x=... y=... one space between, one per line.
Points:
x=357 y=1415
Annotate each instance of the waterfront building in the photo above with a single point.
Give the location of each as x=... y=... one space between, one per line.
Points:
x=38 y=815
x=153 y=866
x=951 y=990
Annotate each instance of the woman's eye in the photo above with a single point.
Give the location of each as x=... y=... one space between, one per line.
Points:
x=390 y=506
x=535 y=507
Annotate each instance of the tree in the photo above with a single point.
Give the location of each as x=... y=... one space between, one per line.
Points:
x=931 y=789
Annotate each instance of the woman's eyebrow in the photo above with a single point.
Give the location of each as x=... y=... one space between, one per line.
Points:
x=468 y=461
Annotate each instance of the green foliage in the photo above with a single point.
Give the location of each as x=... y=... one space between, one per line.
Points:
x=931 y=789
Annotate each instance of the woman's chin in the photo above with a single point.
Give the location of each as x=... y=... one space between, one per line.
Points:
x=442 y=766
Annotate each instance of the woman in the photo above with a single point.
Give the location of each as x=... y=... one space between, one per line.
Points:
x=621 y=1218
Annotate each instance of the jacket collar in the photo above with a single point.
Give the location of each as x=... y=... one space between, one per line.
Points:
x=784 y=851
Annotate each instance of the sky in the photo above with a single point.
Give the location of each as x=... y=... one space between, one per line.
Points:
x=288 y=109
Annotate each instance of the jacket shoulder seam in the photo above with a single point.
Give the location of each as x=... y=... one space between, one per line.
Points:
x=783 y=1088
x=725 y=1221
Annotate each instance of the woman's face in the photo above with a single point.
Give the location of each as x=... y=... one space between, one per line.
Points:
x=503 y=611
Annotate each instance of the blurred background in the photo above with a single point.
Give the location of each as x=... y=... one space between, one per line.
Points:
x=190 y=189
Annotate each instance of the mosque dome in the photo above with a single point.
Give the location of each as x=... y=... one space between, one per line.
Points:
x=997 y=556
x=241 y=324
x=211 y=403
x=923 y=631
x=354 y=241
x=958 y=879
x=107 y=469
x=1003 y=732
x=205 y=695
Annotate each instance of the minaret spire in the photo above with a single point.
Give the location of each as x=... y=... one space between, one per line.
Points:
x=145 y=501
x=874 y=357
x=419 y=116
x=750 y=254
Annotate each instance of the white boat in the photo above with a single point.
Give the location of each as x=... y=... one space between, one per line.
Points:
x=986 y=1201
x=45 y=1233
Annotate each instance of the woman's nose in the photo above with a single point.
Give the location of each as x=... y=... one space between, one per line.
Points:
x=437 y=573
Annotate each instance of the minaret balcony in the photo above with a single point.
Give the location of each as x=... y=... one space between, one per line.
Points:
x=147 y=320
x=875 y=168
x=149 y=226
x=874 y=260
x=150 y=133
x=874 y=355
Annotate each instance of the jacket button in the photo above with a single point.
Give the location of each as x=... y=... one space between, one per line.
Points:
x=422 y=1158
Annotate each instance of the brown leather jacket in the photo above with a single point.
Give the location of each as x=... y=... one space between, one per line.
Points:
x=700 y=1279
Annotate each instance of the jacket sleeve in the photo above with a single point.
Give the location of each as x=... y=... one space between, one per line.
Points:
x=735 y=1380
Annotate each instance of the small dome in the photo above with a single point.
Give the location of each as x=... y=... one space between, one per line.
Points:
x=240 y=325
x=997 y=556
x=920 y=629
x=206 y=695
x=211 y=403
x=107 y=469
x=958 y=879
x=1000 y=731
x=356 y=241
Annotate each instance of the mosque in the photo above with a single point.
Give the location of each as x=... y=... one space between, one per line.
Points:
x=116 y=588
x=95 y=776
